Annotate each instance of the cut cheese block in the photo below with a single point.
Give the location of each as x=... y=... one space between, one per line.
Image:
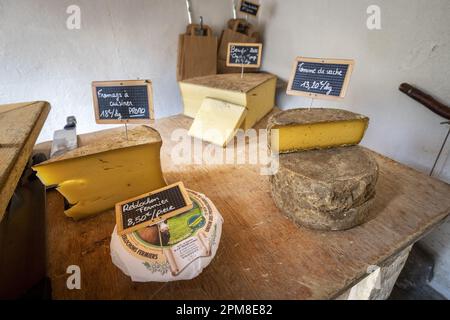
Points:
x=217 y=121
x=189 y=243
x=305 y=129
x=93 y=178
x=330 y=189
x=256 y=92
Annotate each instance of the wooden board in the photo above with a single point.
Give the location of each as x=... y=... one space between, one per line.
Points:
x=136 y=95
x=262 y=255
x=320 y=81
x=20 y=125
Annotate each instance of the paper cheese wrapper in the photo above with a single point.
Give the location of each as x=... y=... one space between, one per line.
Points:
x=189 y=244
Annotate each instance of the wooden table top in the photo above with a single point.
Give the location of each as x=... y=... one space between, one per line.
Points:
x=262 y=255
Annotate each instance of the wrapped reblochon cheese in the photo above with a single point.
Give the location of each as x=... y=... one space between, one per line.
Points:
x=178 y=249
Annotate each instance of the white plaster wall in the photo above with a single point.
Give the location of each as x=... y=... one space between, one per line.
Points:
x=412 y=46
x=40 y=59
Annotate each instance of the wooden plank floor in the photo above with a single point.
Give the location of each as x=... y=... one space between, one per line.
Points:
x=262 y=255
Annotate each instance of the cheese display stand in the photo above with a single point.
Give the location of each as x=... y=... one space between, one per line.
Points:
x=188 y=244
x=323 y=182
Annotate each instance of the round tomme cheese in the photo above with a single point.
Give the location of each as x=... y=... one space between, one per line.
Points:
x=178 y=249
x=331 y=189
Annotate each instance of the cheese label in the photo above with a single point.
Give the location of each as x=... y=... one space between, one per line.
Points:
x=245 y=55
x=152 y=208
x=171 y=246
x=249 y=7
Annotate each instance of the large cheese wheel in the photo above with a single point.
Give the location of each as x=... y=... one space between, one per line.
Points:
x=330 y=189
x=189 y=244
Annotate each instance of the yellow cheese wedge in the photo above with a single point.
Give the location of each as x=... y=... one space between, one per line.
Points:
x=305 y=129
x=217 y=121
x=94 y=177
x=255 y=91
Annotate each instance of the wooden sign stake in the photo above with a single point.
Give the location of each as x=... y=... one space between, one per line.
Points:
x=310 y=106
x=126 y=131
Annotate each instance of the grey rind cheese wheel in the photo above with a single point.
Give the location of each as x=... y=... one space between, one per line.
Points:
x=330 y=189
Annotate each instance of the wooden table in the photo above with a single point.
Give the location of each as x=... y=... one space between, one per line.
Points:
x=262 y=254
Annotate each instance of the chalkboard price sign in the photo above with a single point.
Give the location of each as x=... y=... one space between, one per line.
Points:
x=123 y=101
x=152 y=208
x=249 y=7
x=246 y=55
x=320 y=78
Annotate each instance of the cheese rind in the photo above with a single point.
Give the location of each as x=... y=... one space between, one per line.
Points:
x=306 y=129
x=256 y=92
x=217 y=121
x=95 y=177
x=329 y=189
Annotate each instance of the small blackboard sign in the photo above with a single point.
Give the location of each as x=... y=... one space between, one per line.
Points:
x=246 y=55
x=320 y=78
x=123 y=101
x=249 y=7
x=152 y=208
